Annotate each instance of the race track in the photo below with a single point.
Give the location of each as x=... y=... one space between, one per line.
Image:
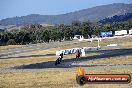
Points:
x=73 y=62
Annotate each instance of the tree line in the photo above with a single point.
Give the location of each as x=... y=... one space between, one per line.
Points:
x=36 y=33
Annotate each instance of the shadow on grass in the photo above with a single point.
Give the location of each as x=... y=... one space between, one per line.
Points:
x=67 y=63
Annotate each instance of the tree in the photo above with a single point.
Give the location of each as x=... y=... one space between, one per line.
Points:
x=46 y=35
x=4 y=38
x=76 y=27
x=19 y=37
x=96 y=28
x=11 y=42
x=26 y=38
x=87 y=30
x=68 y=33
x=54 y=35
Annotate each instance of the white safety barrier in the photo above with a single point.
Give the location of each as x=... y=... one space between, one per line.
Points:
x=112 y=46
x=130 y=32
x=121 y=32
x=83 y=52
x=68 y=51
x=74 y=50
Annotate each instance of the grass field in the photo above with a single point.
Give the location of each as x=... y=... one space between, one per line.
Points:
x=10 y=46
x=59 y=77
x=112 y=60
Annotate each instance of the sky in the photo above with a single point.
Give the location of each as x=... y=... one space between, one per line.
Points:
x=12 y=8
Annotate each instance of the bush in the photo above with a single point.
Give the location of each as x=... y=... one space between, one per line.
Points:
x=11 y=42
